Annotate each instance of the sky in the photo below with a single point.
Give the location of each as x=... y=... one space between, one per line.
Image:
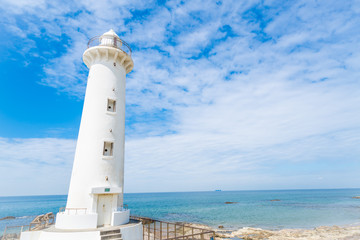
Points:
x=231 y=95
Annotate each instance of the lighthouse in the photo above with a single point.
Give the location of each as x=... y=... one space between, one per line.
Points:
x=94 y=208
x=97 y=180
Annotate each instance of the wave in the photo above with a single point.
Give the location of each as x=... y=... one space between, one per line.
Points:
x=24 y=217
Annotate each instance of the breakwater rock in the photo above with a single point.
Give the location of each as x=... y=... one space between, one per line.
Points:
x=7 y=218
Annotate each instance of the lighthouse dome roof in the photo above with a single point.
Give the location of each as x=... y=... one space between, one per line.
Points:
x=110 y=33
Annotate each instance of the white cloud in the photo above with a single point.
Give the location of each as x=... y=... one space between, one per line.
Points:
x=239 y=107
x=35 y=166
x=210 y=161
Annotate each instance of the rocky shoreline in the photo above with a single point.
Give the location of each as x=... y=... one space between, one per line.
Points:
x=323 y=232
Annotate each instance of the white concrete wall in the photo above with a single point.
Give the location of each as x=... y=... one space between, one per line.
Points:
x=95 y=235
x=132 y=232
x=34 y=235
x=129 y=232
x=43 y=235
x=121 y=217
x=76 y=221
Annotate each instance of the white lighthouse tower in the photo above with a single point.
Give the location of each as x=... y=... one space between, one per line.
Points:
x=95 y=199
x=97 y=181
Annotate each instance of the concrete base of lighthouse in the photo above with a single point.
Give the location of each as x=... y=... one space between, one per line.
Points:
x=78 y=225
x=89 y=220
x=130 y=231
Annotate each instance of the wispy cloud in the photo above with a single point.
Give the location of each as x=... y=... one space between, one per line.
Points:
x=35 y=166
x=233 y=90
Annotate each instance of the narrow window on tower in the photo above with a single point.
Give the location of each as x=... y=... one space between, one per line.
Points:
x=111 y=106
x=108 y=149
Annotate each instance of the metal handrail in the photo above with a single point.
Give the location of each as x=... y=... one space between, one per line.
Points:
x=39 y=222
x=68 y=210
x=110 y=42
x=159 y=230
x=123 y=208
x=13 y=235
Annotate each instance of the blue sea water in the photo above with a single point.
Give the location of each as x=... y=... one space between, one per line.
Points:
x=296 y=208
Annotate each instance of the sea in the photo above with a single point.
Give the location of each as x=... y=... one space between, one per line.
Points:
x=292 y=208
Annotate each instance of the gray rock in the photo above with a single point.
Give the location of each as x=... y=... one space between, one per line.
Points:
x=7 y=218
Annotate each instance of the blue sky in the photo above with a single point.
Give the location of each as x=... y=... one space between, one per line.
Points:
x=225 y=95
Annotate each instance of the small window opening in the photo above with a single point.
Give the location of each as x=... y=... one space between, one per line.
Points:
x=108 y=149
x=111 y=106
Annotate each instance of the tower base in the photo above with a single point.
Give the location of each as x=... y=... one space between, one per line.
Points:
x=130 y=231
x=89 y=220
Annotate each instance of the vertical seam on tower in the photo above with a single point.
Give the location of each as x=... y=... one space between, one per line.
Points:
x=116 y=55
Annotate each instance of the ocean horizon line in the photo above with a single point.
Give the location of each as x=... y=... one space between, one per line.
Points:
x=200 y=191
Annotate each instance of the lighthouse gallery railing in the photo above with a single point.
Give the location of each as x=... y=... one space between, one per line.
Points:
x=110 y=42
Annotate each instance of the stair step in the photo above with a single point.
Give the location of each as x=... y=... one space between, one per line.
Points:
x=114 y=234
x=111 y=236
x=106 y=232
